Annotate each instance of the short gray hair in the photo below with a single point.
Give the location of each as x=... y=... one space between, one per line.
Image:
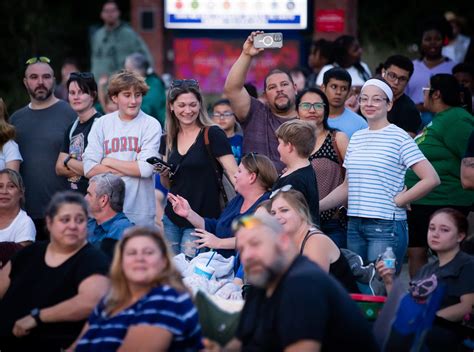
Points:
x=112 y=186
x=139 y=62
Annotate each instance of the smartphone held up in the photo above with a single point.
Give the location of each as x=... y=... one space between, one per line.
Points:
x=268 y=40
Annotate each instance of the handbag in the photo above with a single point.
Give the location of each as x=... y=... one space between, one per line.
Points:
x=226 y=188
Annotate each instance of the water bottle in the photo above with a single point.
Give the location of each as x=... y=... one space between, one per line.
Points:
x=389 y=258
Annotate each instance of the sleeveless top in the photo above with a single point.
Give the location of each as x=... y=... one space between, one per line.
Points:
x=340 y=269
x=327 y=165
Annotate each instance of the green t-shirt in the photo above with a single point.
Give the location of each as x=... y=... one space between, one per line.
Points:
x=444 y=142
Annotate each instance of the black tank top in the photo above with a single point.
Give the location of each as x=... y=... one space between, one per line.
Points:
x=340 y=269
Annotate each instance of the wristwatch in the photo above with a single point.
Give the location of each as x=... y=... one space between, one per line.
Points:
x=66 y=161
x=35 y=313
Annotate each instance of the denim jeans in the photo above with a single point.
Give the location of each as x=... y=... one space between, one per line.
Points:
x=370 y=237
x=333 y=229
x=180 y=239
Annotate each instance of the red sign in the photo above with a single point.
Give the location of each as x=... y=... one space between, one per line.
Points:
x=330 y=21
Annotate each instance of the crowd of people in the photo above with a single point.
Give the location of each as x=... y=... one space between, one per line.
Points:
x=102 y=186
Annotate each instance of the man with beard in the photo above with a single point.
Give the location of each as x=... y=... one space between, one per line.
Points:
x=259 y=121
x=40 y=128
x=292 y=305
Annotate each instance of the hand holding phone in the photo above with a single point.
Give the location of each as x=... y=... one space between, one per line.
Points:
x=160 y=165
x=268 y=40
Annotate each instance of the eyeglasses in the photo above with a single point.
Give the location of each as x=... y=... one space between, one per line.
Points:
x=36 y=59
x=178 y=83
x=426 y=89
x=254 y=158
x=315 y=106
x=83 y=75
x=376 y=101
x=248 y=222
x=222 y=116
x=285 y=188
x=391 y=76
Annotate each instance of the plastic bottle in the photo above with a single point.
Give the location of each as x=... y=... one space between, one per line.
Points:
x=389 y=258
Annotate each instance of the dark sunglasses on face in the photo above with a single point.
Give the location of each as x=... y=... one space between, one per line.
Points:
x=36 y=59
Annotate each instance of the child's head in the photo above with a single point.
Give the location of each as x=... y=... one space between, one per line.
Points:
x=126 y=89
x=223 y=115
x=300 y=135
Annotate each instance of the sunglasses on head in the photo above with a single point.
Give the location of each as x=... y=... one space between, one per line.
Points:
x=36 y=59
x=247 y=222
x=285 y=188
x=181 y=83
x=83 y=75
x=253 y=156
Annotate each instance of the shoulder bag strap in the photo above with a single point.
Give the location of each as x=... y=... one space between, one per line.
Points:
x=214 y=164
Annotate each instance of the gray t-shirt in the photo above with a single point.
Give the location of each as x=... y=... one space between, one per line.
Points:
x=40 y=134
x=259 y=132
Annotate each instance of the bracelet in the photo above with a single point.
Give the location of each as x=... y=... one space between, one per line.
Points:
x=66 y=161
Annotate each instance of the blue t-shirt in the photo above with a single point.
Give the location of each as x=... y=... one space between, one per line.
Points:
x=112 y=228
x=162 y=307
x=348 y=122
x=236 y=144
x=221 y=226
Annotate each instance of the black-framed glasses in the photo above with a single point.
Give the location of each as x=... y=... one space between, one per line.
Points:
x=285 y=188
x=36 y=59
x=392 y=76
x=254 y=158
x=181 y=83
x=247 y=222
x=83 y=75
x=315 y=106
x=222 y=116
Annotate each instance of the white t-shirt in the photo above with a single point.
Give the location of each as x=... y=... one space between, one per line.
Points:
x=376 y=162
x=21 y=229
x=135 y=140
x=9 y=152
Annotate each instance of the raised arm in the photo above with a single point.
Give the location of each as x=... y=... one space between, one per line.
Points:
x=234 y=84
